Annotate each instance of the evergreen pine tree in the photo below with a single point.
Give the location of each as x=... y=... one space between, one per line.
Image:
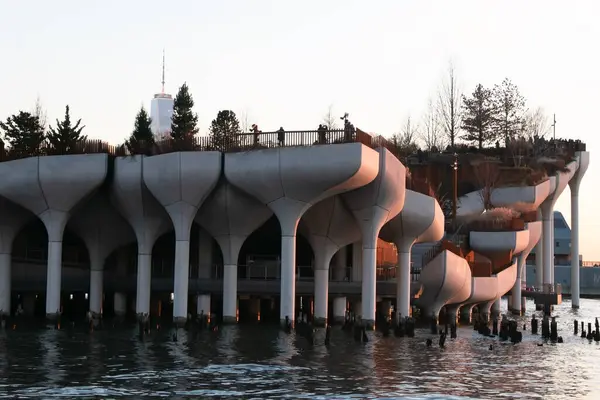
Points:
x=66 y=138
x=183 y=121
x=24 y=134
x=224 y=130
x=141 y=140
x=510 y=110
x=478 y=117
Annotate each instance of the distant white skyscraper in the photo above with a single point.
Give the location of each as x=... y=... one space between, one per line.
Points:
x=161 y=110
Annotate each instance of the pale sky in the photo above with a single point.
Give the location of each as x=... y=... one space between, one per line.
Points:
x=284 y=62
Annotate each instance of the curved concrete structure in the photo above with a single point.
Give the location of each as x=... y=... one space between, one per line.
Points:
x=146 y=216
x=50 y=187
x=504 y=281
x=445 y=279
x=535 y=232
x=328 y=226
x=421 y=220
x=559 y=182
x=488 y=243
x=180 y=182
x=531 y=195
x=373 y=206
x=583 y=159
x=290 y=180
x=12 y=220
x=230 y=216
x=103 y=230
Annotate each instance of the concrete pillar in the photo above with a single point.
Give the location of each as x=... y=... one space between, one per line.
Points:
x=120 y=304
x=496 y=307
x=575 y=284
x=203 y=304
x=403 y=282
x=288 y=277
x=55 y=222
x=181 y=182
x=144 y=280
x=548 y=245
x=514 y=300
x=96 y=290
x=230 y=299
x=539 y=264
x=321 y=295
x=5 y=283
x=369 y=282
x=339 y=310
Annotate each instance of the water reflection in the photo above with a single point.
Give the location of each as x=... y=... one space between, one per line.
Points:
x=262 y=362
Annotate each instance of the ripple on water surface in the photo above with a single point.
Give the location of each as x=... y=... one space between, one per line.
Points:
x=262 y=362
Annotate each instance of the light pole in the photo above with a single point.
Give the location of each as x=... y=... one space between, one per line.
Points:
x=455 y=194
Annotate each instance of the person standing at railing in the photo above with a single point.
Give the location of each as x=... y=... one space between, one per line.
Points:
x=322 y=133
x=256 y=132
x=281 y=136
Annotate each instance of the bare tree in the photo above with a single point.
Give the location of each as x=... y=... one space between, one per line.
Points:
x=487 y=174
x=449 y=105
x=40 y=112
x=329 y=119
x=245 y=124
x=536 y=124
x=405 y=140
x=432 y=134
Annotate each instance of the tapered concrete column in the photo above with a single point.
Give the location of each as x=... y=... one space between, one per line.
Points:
x=51 y=187
x=102 y=230
x=516 y=303
x=496 y=307
x=12 y=220
x=120 y=304
x=421 y=220
x=321 y=296
x=289 y=181
x=328 y=226
x=5 y=283
x=403 y=283
x=230 y=216
x=181 y=182
x=96 y=290
x=55 y=222
x=373 y=205
x=147 y=217
x=339 y=310
x=203 y=304
x=548 y=245
x=583 y=159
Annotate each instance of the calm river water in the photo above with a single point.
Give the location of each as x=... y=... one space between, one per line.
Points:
x=261 y=362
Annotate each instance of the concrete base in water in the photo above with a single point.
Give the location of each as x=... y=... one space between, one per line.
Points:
x=52 y=316
x=179 y=322
x=339 y=320
x=320 y=322
x=516 y=312
x=228 y=320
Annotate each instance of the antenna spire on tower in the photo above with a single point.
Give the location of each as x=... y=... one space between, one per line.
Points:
x=163 y=73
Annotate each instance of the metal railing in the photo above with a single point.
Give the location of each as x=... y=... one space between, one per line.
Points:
x=88 y=146
x=547 y=288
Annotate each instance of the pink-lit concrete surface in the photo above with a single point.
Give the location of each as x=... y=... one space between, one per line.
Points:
x=328 y=226
x=535 y=232
x=373 y=206
x=50 y=187
x=421 y=220
x=230 y=216
x=290 y=180
x=445 y=279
